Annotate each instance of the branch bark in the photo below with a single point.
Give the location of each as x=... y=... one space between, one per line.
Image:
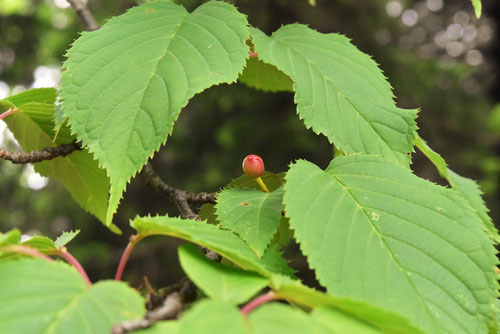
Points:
x=48 y=153
x=180 y=198
x=172 y=306
x=85 y=14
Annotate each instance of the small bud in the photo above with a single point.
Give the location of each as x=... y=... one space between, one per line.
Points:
x=253 y=166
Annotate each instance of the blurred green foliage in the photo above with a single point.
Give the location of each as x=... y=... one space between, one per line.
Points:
x=225 y=123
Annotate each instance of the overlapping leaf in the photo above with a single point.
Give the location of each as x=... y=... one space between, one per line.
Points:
x=340 y=92
x=266 y=77
x=219 y=281
x=374 y=231
x=467 y=188
x=387 y=322
x=224 y=242
x=126 y=83
x=252 y=214
x=32 y=126
x=51 y=297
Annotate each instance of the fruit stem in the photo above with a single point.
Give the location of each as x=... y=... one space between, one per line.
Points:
x=63 y=252
x=134 y=239
x=265 y=298
x=261 y=184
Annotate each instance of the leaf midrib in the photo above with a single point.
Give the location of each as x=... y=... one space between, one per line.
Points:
x=381 y=238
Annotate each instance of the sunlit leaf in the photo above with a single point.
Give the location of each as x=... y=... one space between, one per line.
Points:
x=126 y=83
x=340 y=91
x=373 y=231
x=51 y=297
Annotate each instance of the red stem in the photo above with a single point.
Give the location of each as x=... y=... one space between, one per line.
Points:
x=265 y=298
x=125 y=256
x=253 y=54
x=8 y=112
x=27 y=251
x=63 y=252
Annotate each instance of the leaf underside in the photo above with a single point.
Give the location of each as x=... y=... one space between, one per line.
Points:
x=126 y=83
x=340 y=91
x=224 y=242
x=219 y=281
x=78 y=172
x=373 y=231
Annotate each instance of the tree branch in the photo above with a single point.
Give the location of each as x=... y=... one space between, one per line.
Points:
x=38 y=156
x=172 y=306
x=85 y=14
x=179 y=197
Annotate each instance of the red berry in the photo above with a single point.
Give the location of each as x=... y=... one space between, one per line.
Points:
x=253 y=166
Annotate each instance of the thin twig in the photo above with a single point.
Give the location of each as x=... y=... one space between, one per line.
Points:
x=265 y=298
x=179 y=197
x=85 y=14
x=63 y=252
x=26 y=250
x=170 y=309
x=48 y=153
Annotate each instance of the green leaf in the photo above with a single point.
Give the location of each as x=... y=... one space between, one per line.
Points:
x=373 y=231
x=42 y=244
x=253 y=215
x=65 y=238
x=213 y=317
x=283 y=235
x=272 y=181
x=162 y=327
x=126 y=83
x=466 y=188
x=433 y=156
x=469 y=190
x=224 y=242
x=218 y=281
x=338 y=322
x=296 y=292
x=340 y=91
x=266 y=77
x=281 y=319
x=207 y=212
x=12 y=237
x=477 y=7
x=51 y=297
x=78 y=172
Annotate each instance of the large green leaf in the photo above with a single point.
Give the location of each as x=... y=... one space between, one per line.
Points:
x=374 y=231
x=388 y=322
x=213 y=317
x=266 y=77
x=467 y=188
x=252 y=214
x=126 y=83
x=338 y=322
x=340 y=91
x=51 y=297
x=32 y=126
x=218 y=281
x=282 y=319
x=224 y=242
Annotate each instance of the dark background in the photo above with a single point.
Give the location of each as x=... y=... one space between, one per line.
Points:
x=437 y=56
